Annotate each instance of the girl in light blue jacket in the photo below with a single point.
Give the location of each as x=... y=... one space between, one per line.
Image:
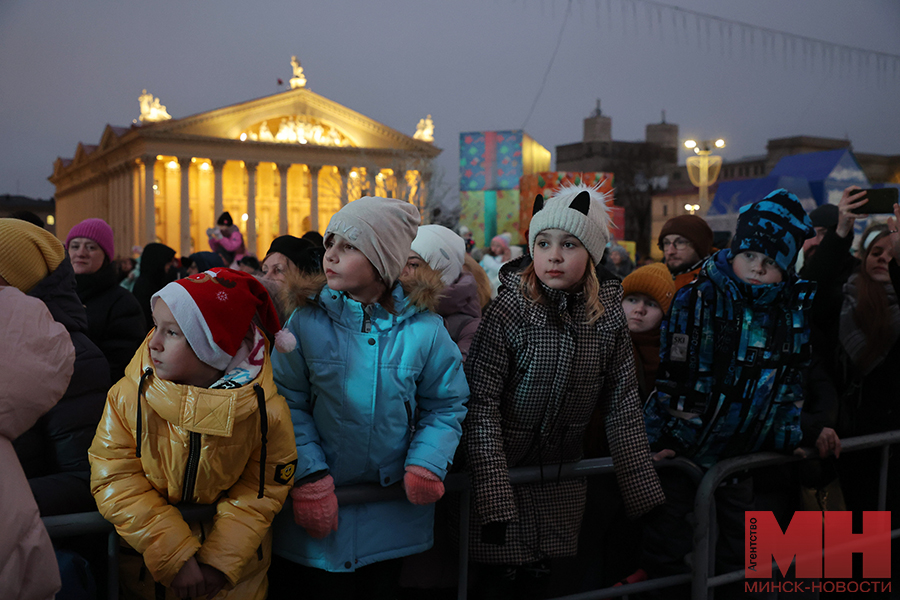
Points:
x=377 y=395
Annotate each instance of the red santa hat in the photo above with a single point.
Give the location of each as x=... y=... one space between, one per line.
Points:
x=215 y=309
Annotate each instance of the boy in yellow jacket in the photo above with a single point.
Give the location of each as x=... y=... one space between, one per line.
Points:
x=198 y=420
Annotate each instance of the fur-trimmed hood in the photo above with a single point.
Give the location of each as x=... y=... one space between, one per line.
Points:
x=422 y=290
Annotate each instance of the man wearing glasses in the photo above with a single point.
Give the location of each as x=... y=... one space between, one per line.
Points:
x=686 y=241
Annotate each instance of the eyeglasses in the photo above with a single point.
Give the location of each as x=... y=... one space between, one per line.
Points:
x=680 y=244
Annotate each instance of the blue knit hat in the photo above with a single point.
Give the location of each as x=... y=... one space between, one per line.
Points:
x=776 y=226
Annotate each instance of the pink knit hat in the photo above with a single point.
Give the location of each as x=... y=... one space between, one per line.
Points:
x=97 y=230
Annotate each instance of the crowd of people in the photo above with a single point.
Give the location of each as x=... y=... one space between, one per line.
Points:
x=390 y=352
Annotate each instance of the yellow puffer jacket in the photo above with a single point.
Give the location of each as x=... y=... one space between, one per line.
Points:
x=206 y=439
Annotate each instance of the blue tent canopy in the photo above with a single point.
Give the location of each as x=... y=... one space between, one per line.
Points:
x=732 y=195
x=827 y=172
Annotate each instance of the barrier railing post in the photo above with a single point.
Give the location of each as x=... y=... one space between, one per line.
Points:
x=112 y=565
x=464 y=515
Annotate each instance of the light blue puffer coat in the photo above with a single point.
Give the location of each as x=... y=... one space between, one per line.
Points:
x=369 y=393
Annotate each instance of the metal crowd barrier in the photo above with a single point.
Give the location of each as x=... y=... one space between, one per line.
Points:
x=703 y=555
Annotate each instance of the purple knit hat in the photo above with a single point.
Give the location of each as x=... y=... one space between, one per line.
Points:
x=97 y=230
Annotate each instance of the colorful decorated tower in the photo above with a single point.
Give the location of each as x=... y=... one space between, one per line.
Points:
x=491 y=163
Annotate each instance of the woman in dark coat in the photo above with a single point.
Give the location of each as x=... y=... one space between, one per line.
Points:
x=157 y=269
x=115 y=319
x=53 y=452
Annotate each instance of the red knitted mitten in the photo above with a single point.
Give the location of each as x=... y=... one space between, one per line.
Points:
x=422 y=486
x=316 y=507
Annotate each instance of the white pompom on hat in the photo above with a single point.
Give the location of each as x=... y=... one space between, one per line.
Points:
x=577 y=209
x=443 y=250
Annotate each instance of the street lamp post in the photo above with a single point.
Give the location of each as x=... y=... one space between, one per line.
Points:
x=703 y=169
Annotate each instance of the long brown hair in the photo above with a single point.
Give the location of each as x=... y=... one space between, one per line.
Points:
x=872 y=310
x=589 y=284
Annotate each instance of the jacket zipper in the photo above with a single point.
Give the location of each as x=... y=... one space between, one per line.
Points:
x=190 y=472
x=367 y=322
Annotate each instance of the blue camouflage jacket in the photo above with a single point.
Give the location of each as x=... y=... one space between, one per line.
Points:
x=732 y=365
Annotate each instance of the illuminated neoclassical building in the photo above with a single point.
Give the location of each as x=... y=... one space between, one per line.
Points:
x=280 y=164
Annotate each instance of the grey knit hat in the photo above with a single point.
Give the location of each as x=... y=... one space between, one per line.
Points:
x=382 y=228
x=578 y=209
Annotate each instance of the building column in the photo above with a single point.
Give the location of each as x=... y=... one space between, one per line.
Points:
x=184 y=164
x=424 y=187
x=401 y=188
x=131 y=223
x=251 y=206
x=314 y=196
x=282 y=199
x=149 y=234
x=218 y=203
x=371 y=172
x=344 y=172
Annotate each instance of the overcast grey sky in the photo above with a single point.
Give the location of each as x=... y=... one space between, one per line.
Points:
x=69 y=68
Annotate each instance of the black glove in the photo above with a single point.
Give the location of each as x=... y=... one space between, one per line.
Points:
x=494 y=533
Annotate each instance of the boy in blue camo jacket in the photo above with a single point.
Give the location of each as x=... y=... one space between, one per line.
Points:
x=733 y=356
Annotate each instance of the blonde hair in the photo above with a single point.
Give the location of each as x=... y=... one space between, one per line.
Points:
x=589 y=284
x=481 y=279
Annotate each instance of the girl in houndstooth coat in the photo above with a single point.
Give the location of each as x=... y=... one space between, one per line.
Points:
x=551 y=348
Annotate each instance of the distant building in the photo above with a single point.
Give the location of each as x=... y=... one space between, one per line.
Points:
x=280 y=164
x=45 y=210
x=640 y=169
x=816 y=169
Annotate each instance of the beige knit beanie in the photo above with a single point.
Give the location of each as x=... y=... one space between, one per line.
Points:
x=382 y=228
x=28 y=253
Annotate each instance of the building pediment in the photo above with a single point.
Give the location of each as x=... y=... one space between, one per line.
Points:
x=298 y=116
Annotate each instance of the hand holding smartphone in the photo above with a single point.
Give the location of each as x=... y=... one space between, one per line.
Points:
x=880 y=201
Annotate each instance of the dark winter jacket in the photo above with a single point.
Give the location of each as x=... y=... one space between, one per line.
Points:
x=869 y=399
x=53 y=453
x=115 y=319
x=733 y=358
x=536 y=374
x=830 y=267
x=461 y=311
x=153 y=277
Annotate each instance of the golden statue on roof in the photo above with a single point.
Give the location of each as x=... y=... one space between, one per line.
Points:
x=151 y=109
x=425 y=130
x=299 y=79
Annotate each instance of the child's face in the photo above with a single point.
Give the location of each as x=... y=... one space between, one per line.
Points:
x=756 y=268
x=560 y=259
x=348 y=270
x=412 y=263
x=877 y=259
x=172 y=356
x=642 y=312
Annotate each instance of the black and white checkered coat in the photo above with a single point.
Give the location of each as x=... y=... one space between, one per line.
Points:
x=536 y=373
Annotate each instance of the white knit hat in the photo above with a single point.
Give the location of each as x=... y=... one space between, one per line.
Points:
x=382 y=228
x=578 y=209
x=443 y=250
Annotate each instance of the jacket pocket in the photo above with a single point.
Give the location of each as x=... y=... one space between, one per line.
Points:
x=392 y=473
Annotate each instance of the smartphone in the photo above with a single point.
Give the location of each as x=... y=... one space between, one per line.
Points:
x=881 y=201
